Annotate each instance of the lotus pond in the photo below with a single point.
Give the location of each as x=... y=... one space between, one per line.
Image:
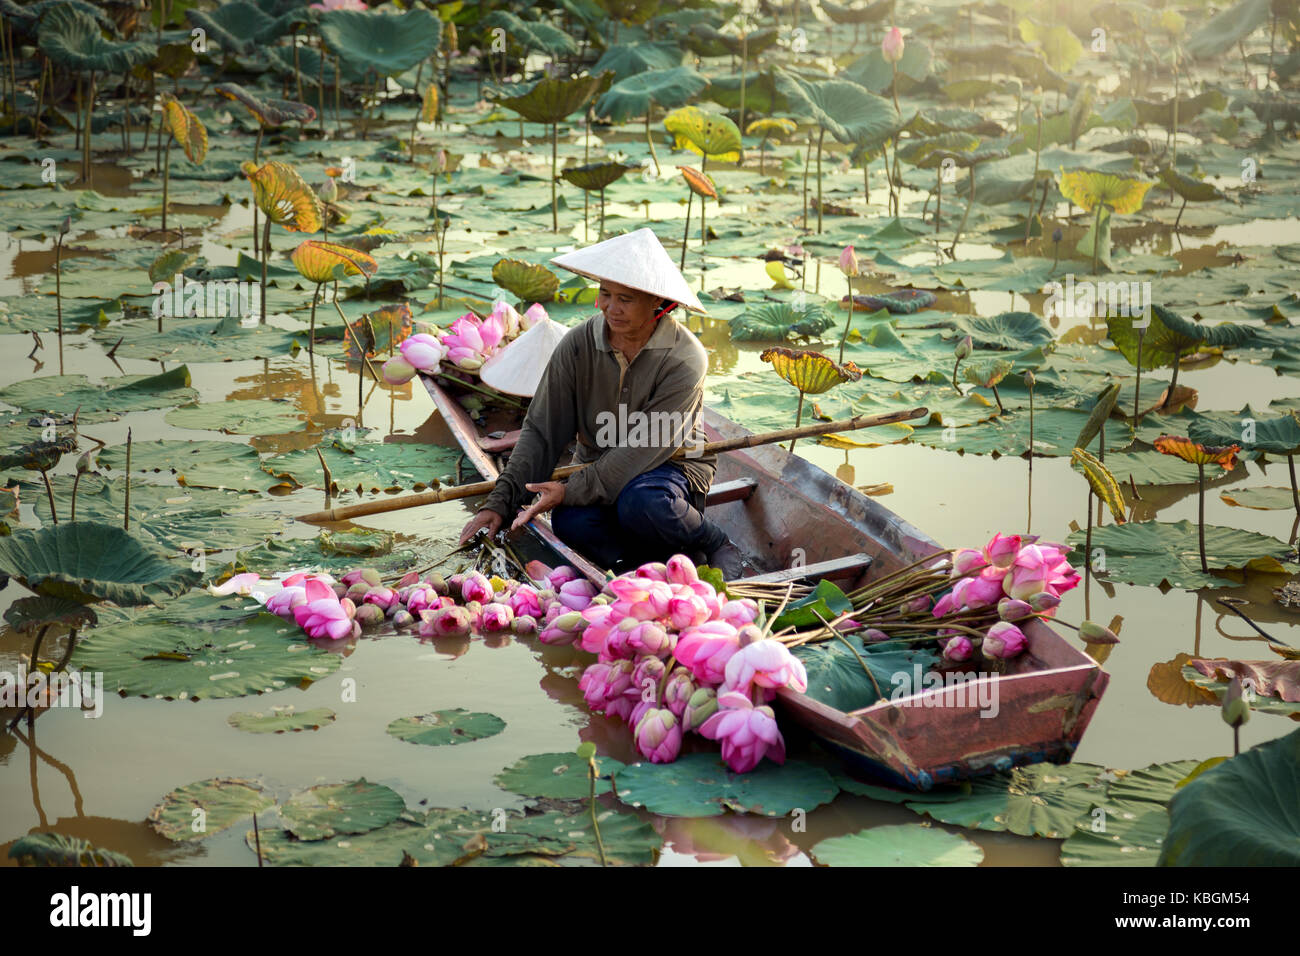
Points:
x=1037 y=187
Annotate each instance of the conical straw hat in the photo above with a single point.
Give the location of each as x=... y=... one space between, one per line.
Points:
x=634 y=259
x=517 y=368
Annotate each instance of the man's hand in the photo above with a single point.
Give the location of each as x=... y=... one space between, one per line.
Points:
x=486 y=518
x=552 y=495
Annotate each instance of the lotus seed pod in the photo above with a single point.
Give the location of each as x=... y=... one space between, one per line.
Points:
x=874 y=635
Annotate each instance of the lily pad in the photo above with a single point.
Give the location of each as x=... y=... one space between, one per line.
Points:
x=64 y=394
x=281 y=719
x=777 y=321
x=904 y=844
x=55 y=849
x=1150 y=468
x=1167 y=553
x=1244 y=812
x=198 y=810
x=1118 y=833
x=202 y=339
x=1040 y=800
x=369 y=466
x=1011 y=331
x=325 y=811
x=441 y=727
x=239 y=417
x=1260 y=499
x=557 y=776
x=85 y=561
x=192 y=464
x=700 y=785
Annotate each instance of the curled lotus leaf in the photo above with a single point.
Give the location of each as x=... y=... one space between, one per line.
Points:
x=701 y=184
x=284 y=197
x=1103 y=483
x=27 y=614
x=990 y=373
x=269 y=112
x=810 y=372
x=770 y=126
x=320 y=261
x=187 y=129
x=593 y=177
x=72 y=39
x=429 y=104
x=1100 y=412
x=929 y=153
x=1223 y=455
x=842 y=108
x=635 y=95
x=530 y=282
x=1193 y=190
x=1088 y=188
x=553 y=98
x=55 y=849
x=712 y=135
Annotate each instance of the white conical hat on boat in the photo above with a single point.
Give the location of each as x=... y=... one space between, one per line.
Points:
x=634 y=259
x=517 y=368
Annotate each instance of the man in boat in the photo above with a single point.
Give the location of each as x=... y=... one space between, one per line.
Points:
x=629 y=383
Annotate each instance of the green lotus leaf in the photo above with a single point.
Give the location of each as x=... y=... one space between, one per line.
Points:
x=38 y=313
x=778 y=321
x=700 y=785
x=711 y=135
x=192 y=464
x=553 y=99
x=27 y=614
x=206 y=339
x=169 y=263
x=903 y=844
x=926 y=153
x=223 y=802
x=1244 y=812
x=1007 y=330
x=441 y=727
x=594 y=177
x=762 y=94
x=707 y=41
x=380 y=43
x=625 y=60
x=1118 y=833
x=1225 y=30
x=635 y=95
x=269 y=112
x=1097 y=417
x=324 y=811
x=55 y=849
x=842 y=108
x=1150 y=468
x=64 y=394
x=871 y=13
x=530 y=34
x=239 y=417
x=1168 y=335
x=1193 y=190
x=243 y=27
x=369 y=466
x=1255 y=432
x=873 y=73
x=1260 y=499
x=529 y=282
x=75 y=41
x=1166 y=553
x=1040 y=800
x=282 y=719
x=1263 y=702
x=85 y=561
x=357 y=542
x=1088 y=189
x=1060 y=46
x=836 y=676
x=988 y=373
x=1055 y=431
x=558 y=776
x=27 y=17
x=163 y=654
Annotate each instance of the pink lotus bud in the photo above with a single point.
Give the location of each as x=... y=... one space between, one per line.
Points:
x=337 y=589
x=849 y=262
x=767 y=663
x=532 y=315
x=659 y=736
x=681 y=570
x=436 y=582
x=656 y=571
x=687 y=612
x=382 y=596
x=963 y=348
x=284 y=601
x=1004 y=641
x=650 y=638
x=1044 y=601
x=476 y=587
x=678 y=690
x=357 y=592
x=616 y=644
x=1010 y=609
x=421 y=598
x=402 y=618
x=409 y=579
x=706 y=650
x=525 y=625
x=577 y=594
x=740 y=612
x=368 y=614
x=561 y=576
x=702 y=705
x=525 y=601
x=371 y=577
x=1093 y=633
x=349 y=579
x=647 y=672
x=873 y=635
x=919 y=605
x=455 y=583
x=1001 y=551
x=747 y=634
x=891 y=47
x=958 y=649
x=398 y=371
x=497 y=618
x=451 y=621
x=967 y=560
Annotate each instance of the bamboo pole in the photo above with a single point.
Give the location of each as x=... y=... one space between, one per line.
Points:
x=438 y=495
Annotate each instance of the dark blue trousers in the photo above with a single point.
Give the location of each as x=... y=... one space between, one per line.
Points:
x=654 y=518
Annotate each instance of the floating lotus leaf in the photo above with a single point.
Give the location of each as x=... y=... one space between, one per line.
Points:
x=929 y=153
x=700 y=785
x=711 y=135
x=552 y=99
x=282 y=719
x=1268 y=679
x=531 y=34
x=810 y=372
x=1224 y=456
x=903 y=844
x=206 y=339
x=186 y=129
x=871 y=13
x=1040 y=800
x=762 y=94
x=594 y=177
x=1210 y=677
x=530 y=282
x=284 y=197
x=1006 y=330
x=27 y=614
x=1166 y=682
x=897 y=302
x=1088 y=188
x=374 y=42
x=64 y=394
x=38 y=455
x=706 y=41
x=223 y=802
x=55 y=849
x=192 y=464
x=842 y=108
x=366 y=466
x=1150 y=468
x=1260 y=499
x=1008 y=433
x=441 y=727
x=324 y=811
x=359 y=542
x=635 y=95
x=1169 y=335
x=777 y=321
x=320 y=261
x=558 y=776
x=269 y=112
x=169 y=263
x=1118 y=833
x=1103 y=483
x=75 y=41
x=1250 y=430
x=239 y=417
x=85 y=561
x=700 y=184
x=1244 y=812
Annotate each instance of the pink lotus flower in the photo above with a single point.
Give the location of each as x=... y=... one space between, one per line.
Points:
x=285 y=600
x=1013 y=610
x=422 y=351
x=689 y=611
x=891 y=47
x=476 y=587
x=464 y=333
x=707 y=649
x=507 y=316
x=326 y=617
x=606 y=684
x=647 y=637
x=849 y=262
x=647 y=672
x=983 y=590
x=655 y=571
x=491 y=331
x=576 y=595
x=532 y=315
x=1001 y=551
x=238 y=584
x=681 y=570
x=1039 y=568
x=496 y=618
x=525 y=625
x=766 y=663
x=740 y=612
x=525 y=601
x=958 y=649
x=1004 y=641
x=747 y=733
x=561 y=576
x=967 y=560
x=599 y=621
x=450 y=621
x=381 y=596
x=564 y=629
x=398 y=371
x=659 y=736
x=422 y=598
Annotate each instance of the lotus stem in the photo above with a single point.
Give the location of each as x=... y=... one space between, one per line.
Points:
x=1137 y=386
x=36 y=645
x=704 y=205
x=1200 y=514
x=442 y=241
x=1001 y=410
x=798 y=416
x=847 y=322
x=555 y=209
x=820 y=136
x=1173 y=382
x=311 y=335
x=320 y=92
x=650 y=139
x=591 y=803
x=1038 y=148
x=1180 y=214
x=956 y=365
x=266 y=254
x=50 y=493
x=126 y=506
x=416 y=118
x=690 y=196
x=601 y=235
x=90 y=113
x=893 y=88
x=338 y=83
x=807 y=159
x=938 y=201
x=1295 y=491
x=1031 y=435
x=58 y=293
x=962 y=225
x=1087 y=539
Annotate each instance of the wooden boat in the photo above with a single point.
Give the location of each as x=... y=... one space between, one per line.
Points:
x=780 y=510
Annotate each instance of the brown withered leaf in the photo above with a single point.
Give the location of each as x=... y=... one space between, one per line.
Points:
x=1166 y=683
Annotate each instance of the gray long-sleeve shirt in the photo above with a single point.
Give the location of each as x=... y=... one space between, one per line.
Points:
x=661 y=394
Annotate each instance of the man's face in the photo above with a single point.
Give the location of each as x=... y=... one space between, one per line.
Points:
x=628 y=312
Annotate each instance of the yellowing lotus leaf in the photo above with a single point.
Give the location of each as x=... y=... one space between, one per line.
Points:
x=1103 y=483
x=187 y=130
x=710 y=134
x=1223 y=455
x=1087 y=188
x=810 y=372
x=988 y=374
x=429 y=105
x=324 y=261
x=771 y=126
x=701 y=184
x=284 y=197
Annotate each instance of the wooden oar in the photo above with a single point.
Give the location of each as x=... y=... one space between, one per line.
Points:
x=436 y=495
